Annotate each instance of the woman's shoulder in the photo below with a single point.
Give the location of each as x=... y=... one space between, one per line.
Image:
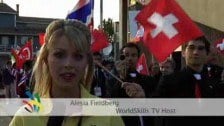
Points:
x=26 y=117
x=103 y=121
x=28 y=121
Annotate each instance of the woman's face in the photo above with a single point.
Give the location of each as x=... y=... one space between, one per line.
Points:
x=66 y=65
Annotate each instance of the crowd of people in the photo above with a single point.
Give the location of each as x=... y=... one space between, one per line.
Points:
x=16 y=81
x=66 y=68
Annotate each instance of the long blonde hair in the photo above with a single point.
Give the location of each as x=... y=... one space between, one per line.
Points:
x=79 y=35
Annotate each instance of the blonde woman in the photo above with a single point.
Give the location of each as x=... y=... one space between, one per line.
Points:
x=64 y=69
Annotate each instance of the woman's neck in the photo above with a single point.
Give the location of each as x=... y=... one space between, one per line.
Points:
x=57 y=92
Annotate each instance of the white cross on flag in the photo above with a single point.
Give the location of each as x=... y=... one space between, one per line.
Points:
x=141 y=66
x=219 y=45
x=166 y=26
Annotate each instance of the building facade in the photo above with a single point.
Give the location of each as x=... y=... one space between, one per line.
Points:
x=15 y=30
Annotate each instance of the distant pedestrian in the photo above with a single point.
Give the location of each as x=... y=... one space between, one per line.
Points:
x=9 y=81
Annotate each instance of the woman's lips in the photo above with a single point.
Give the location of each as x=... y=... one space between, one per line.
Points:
x=67 y=76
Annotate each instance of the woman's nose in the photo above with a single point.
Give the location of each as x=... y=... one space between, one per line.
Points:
x=68 y=62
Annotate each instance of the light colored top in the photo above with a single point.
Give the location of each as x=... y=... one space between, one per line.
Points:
x=69 y=121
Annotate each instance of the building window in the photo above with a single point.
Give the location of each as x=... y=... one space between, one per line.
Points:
x=5 y=40
x=24 y=39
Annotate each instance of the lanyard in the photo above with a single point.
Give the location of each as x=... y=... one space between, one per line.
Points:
x=58 y=121
x=80 y=121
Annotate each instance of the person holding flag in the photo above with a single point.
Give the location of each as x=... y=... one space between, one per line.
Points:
x=167 y=27
x=139 y=86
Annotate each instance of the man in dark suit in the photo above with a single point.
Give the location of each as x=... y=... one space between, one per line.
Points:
x=8 y=81
x=98 y=87
x=196 y=80
x=127 y=71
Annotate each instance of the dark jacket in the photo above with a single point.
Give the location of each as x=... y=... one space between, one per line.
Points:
x=98 y=81
x=7 y=77
x=148 y=84
x=182 y=85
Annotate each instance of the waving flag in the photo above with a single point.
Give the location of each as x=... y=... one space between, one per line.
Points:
x=83 y=11
x=166 y=27
x=25 y=53
x=141 y=66
x=99 y=40
x=41 y=38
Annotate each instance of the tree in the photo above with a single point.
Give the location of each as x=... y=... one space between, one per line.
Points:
x=109 y=28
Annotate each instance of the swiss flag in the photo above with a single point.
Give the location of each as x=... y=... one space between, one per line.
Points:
x=25 y=53
x=99 y=40
x=166 y=27
x=219 y=45
x=41 y=38
x=141 y=66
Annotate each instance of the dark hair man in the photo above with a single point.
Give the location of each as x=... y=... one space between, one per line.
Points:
x=127 y=70
x=193 y=81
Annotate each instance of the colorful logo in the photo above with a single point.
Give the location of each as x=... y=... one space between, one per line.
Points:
x=34 y=104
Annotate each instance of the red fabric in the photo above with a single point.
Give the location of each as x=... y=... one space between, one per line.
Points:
x=99 y=41
x=41 y=38
x=161 y=45
x=197 y=91
x=142 y=66
x=25 y=53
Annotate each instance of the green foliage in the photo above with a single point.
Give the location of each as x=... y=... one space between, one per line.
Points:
x=108 y=28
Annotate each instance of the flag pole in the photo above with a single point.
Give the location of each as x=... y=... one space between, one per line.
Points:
x=104 y=68
x=101 y=13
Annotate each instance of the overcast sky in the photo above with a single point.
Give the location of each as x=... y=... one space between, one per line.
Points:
x=60 y=8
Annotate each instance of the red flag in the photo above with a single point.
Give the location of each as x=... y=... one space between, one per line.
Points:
x=41 y=38
x=142 y=66
x=99 y=41
x=166 y=26
x=24 y=54
x=219 y=45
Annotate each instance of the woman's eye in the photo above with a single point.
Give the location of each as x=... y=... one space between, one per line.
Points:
x=59 y=54
x=78 y=56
